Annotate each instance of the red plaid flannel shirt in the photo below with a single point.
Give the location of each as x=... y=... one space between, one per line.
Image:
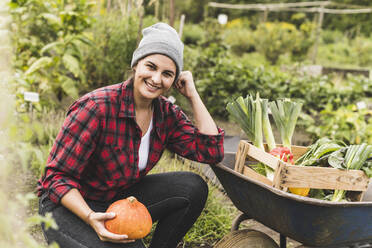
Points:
x=96 y=150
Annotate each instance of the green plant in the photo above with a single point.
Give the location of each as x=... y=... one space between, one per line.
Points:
x=332 y=36
x=221 y=77
x=362 y=51
x=48 y=36
x=35 y=135
x=353 y=157
x=192 y=34
x=15 y=196
x=347 y=123
x=240 y=40
x=345 y=52
x=275 y=39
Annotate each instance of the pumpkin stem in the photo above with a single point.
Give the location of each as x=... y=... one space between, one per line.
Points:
x=132 y=199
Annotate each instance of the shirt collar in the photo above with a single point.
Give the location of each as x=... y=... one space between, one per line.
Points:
x=127 y=100
x=127 y=104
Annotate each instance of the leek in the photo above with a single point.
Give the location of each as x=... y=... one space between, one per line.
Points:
x=258 y=122
x=253 y=117
x=285 y=113
x=248 y=114
x=266 y=126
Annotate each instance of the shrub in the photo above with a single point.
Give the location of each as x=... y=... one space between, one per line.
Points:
x=240 y=40
x=362 y=51
x=275 y=39
x=347 y=53
x=192 y=34
x=47 y=39
x=347 y=123
x=221 y=77
x=238 y=23
x=332 y=36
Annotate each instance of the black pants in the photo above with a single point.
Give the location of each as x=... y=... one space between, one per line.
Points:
x=175 y=200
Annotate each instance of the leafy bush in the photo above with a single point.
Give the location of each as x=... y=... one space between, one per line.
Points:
x=240 y=40
x=192 y=34
x=253 y=59
x=238 y=23
x=335 y=54
x=347 y=123
x=332 y=36
x=14 y=198
x=35 y=136
x=362 y=51
x=47 y=39
x=346 y=53
x=220 y=77
x=275 y=39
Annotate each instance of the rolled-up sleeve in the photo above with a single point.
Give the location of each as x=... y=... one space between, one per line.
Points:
x=71 y=150
x=187 y=141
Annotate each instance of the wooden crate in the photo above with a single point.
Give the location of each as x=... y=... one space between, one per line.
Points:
x=287 y=175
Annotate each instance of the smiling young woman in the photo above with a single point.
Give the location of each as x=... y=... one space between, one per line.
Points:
x=113 y=136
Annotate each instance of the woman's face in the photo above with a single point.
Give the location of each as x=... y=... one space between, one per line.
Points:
x=153 y=76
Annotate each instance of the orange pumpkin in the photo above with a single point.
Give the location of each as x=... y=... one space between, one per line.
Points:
x=132 y=218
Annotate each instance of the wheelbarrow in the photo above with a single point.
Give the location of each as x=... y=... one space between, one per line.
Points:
x=311 y=222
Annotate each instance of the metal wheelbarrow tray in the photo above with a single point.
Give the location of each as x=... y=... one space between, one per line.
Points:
x=309 y=221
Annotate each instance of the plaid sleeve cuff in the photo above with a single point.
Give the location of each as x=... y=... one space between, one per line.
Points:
x=213 y=145
x=57 y=192
x=211 y=140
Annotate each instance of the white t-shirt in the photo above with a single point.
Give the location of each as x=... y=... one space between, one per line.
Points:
x=143 y=153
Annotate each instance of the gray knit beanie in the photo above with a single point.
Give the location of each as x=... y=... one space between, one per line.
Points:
x=160 y=38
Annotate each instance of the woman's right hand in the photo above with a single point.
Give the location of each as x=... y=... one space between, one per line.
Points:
x=97 y=222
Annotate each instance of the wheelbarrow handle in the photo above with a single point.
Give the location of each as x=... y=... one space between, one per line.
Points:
x=239 y=219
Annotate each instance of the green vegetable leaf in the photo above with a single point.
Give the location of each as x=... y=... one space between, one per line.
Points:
x=368 y=169
x=72 y=64
x=337 y=160
x=38 y=64
x=69 y=88
x=52 y=19
x=50 y=46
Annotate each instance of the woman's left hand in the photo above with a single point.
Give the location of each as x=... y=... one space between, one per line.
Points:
x=185 y=85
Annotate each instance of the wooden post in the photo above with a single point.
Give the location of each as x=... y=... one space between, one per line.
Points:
x=163 y=10
x=182 y=22
x=141 y=12
x=129 y=7
x=157 y=5
x=122 y=7
x=265 y=14
x=318 y=30
x=108 y=7
x=171 y=13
